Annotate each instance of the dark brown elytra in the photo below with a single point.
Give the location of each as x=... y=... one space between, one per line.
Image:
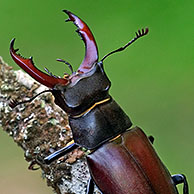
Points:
x=122 y=160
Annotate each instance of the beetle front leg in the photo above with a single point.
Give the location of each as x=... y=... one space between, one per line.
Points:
x=181 y=178
x=90 y=186
x=60 y=153
x=151 y=138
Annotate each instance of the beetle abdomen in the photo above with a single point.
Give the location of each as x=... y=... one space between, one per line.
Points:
x=129 y=165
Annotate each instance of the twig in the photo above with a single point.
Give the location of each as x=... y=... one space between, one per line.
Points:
x=40 y=128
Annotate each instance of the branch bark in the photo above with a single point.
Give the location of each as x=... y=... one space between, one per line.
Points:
x=40 y=128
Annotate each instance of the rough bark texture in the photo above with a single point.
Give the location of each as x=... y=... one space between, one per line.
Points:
x=40 y=128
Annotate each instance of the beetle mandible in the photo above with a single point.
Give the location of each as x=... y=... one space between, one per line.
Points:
x=122 y=160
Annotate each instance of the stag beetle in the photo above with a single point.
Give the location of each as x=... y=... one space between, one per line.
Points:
x=121 y=160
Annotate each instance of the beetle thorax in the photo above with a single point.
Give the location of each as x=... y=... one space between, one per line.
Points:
x=84 y=91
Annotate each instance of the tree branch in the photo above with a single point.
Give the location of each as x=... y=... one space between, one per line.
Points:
x=40 y=128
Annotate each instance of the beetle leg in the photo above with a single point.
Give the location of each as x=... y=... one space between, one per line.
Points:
x=60 y=153
x=181 y=178
x=138 y=35
x=91 y=55
x=151 y=138
x=90 y=186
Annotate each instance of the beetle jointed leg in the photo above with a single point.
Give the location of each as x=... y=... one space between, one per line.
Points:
x=181 y=178
x=90 y=186
x=151 y=138
x=56 y=155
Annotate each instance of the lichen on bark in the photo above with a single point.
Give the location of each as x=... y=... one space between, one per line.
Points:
x=40 y=128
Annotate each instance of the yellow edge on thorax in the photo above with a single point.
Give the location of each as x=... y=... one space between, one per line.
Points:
x=97 y=103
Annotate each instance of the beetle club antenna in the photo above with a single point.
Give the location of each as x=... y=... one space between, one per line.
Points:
x=68 y=64
x=138 y=35
x=13 y=102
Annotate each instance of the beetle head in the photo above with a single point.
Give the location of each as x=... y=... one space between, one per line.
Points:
x=93 y=83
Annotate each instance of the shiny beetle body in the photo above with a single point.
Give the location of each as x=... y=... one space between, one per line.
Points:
x=92 y=127
x=122 y=160
x=130 y=165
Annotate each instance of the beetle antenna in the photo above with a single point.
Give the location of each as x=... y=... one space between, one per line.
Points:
x=13 y=102
x=50 y=73
x=67 y=63
x=138 y=35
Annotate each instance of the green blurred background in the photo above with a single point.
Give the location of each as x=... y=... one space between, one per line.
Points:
x=152 y=80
